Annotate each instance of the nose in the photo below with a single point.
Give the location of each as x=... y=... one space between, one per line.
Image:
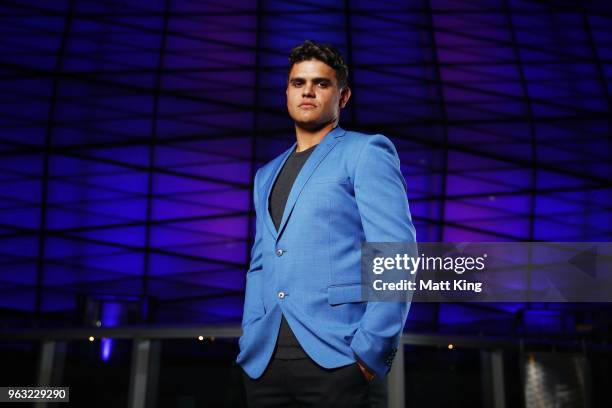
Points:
x=308 y=90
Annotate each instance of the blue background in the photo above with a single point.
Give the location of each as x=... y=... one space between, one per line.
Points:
x=130 y=133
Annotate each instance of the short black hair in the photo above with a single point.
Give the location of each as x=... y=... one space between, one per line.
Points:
x=309 y=50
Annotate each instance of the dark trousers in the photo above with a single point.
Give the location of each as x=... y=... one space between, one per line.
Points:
x=303 y=383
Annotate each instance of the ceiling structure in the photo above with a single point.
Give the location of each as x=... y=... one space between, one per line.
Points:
x=130 y=133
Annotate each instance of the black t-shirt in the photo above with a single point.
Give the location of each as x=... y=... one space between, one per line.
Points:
x=287 y=345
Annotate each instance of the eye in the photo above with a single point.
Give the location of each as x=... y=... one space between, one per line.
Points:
x=323 y=84
x=297 y=84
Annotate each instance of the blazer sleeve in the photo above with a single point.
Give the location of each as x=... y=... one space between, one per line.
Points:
x=253 y=303
x=380 y=192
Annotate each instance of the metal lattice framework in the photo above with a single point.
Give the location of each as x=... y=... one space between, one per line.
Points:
x=130 y=133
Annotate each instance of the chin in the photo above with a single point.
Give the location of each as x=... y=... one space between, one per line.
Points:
x=308 y=124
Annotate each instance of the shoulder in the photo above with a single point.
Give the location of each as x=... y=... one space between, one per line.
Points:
x=360 y=140
x=358 y=144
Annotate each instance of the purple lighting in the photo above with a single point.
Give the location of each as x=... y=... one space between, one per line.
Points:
x=129 y=143
x=106 y=345
x=111 y=316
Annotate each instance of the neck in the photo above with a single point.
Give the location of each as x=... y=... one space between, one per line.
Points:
x=308 y=138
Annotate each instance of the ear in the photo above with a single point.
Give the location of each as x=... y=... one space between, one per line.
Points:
x=345 y=94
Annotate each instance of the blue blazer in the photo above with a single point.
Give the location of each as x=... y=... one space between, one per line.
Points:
x=350 y=190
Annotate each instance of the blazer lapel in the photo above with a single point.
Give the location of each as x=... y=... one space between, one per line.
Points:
x=268 y=188
x=319 y=153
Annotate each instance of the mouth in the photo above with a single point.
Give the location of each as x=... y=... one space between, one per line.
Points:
x=307 y=106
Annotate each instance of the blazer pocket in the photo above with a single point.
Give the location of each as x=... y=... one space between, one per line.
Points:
x=336 y=180
x=349 y=293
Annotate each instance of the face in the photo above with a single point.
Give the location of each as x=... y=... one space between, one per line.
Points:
x=313 y=97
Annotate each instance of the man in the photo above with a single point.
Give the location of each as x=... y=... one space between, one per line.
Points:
x=308 y=338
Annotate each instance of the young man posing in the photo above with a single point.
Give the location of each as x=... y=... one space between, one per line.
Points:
x=308 y=338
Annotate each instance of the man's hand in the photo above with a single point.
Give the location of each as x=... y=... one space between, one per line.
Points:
x=365 y=371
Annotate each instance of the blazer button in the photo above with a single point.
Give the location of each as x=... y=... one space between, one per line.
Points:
x=281 y=295
x=279 y=252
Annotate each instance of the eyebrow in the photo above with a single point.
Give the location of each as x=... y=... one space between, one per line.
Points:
x=315 y=80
